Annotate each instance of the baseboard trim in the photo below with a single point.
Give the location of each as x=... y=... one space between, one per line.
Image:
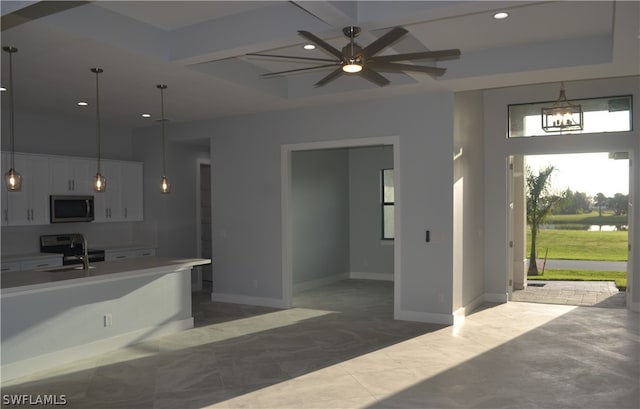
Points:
x=307 y=285
x=46 y=361
x=371 y=276
x=249 y=300
x=460 y=314
x=496 y=297
x=427 y=317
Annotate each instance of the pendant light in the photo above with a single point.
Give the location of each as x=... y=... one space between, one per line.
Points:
x=165 y=187
x=99 y=182
x=12 y=178
x=562 y=115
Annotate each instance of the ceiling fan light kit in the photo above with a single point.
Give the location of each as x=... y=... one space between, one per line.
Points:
x=354 y=59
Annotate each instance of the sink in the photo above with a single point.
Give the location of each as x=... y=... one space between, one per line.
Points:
x=63 y=269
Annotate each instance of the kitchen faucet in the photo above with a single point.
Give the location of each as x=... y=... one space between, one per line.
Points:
x=85 y=248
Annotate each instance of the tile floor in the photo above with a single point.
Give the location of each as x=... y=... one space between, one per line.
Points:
x=340 y=348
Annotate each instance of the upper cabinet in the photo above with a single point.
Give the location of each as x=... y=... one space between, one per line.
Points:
x=29 y=206
x=72 y=176
x=44 y=175
x=131 y=178
x=122 y=200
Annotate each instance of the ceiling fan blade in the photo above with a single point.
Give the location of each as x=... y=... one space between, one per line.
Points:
x=323 y=44
x=272 y=74
x=439 y=54
x=395 y=67
x=292 y=57
x=370 y=75
x=332 y=76
x=384 y=41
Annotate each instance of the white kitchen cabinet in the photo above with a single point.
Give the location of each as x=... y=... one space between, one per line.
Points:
x=72 y=176
x=44 y=175
x=3 y=197
x=29 y=206
x=132 y=191
x=33 y=262
x=40 y=263
x=9 y=267
x=108 y=204
x=122 y=200
x=123 y=254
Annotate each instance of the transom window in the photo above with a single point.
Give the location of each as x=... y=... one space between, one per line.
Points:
x=610 y=114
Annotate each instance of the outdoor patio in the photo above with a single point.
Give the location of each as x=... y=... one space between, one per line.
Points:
x=583 y=293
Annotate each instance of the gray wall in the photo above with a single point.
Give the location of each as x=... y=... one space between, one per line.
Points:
x=54 y=135
x=246 y=161
x=170 y=219
x=320 y=212
x=468 y=179
x=369 y=255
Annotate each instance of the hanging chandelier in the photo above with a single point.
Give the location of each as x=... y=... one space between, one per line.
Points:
x=99 y=182
x=562 y=115
x=165 y=186
x=12 y=178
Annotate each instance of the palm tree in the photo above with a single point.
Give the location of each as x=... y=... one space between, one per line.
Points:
x=601 y=200
x=539 y=203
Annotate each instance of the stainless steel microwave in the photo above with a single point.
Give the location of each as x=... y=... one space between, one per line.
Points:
x=71 y=208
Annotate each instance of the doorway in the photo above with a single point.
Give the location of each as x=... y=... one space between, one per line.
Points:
x=204 y=273
x=289 y=211
x=584 y=239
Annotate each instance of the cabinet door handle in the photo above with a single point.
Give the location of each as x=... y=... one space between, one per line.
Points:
x=125 y=212
x=73 y=185
x=28 y=216
x=69 y=185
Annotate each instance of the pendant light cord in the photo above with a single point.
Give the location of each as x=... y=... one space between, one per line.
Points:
x=162 y=88
x=98 y=71
x=11 y=50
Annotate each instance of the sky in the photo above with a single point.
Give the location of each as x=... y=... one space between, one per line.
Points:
x=590 y=173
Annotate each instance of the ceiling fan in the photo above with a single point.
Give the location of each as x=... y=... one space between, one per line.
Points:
x=356 y=60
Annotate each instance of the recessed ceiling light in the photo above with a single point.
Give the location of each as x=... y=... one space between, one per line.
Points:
x=82 y=103
x=501 y=15
x=145 y=115
x=309 y=47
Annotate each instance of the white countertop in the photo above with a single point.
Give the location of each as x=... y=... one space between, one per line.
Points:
x=29 y=281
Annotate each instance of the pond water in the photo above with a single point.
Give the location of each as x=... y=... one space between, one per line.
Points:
x=587 y=227
x=607 y=227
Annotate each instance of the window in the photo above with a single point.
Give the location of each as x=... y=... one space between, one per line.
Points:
x=611 y=114
x=388 y=203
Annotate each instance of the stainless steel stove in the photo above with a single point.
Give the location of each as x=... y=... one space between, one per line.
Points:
x=70 y=247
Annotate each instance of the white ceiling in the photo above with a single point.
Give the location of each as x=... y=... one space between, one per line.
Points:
x=197 y=48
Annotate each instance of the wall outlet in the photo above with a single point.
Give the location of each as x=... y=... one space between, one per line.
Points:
x=108 y=320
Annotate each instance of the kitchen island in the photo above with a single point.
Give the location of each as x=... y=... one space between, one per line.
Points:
x=62 y=314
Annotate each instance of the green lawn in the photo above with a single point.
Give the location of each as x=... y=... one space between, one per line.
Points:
x=581 y=245
x=583 y=275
